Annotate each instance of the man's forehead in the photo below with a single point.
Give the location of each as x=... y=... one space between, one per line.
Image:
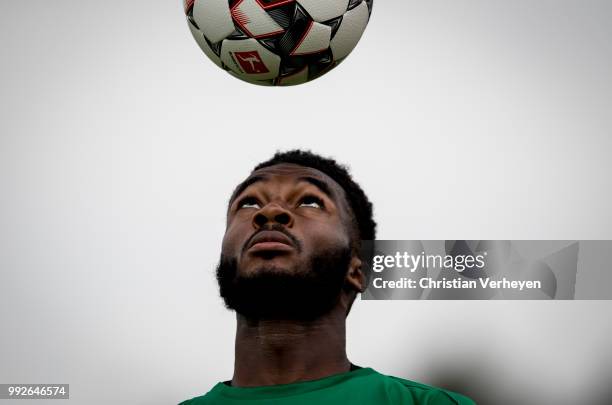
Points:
x=292 y=173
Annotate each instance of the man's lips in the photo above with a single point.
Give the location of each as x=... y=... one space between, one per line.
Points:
x=266 y=241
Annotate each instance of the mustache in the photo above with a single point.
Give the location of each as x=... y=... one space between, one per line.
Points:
x=277 y=228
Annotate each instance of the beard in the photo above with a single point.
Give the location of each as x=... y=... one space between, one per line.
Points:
x=304 y=293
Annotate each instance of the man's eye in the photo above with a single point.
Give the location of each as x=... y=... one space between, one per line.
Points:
x=312 y=202
x=248 y=202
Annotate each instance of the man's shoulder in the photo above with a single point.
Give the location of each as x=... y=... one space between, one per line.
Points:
x=426 y=394
x=193 y=401
x=202 y=399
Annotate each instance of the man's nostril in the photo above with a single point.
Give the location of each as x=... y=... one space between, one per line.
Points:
x=283 y=218
x=260 y=219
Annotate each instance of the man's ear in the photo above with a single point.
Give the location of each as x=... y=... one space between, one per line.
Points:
x=355 y=276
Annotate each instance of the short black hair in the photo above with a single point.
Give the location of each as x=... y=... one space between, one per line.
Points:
x=358 y=201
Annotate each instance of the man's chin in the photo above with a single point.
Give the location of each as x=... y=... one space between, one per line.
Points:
x=269 y=269
x=281 y=288
x=278 y=264
x=270 y=292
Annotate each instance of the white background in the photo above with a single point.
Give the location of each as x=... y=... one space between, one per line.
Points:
x=120 y=144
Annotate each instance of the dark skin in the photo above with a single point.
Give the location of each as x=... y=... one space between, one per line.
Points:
x=312 y=208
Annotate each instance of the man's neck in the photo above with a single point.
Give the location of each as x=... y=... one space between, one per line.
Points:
x=272 y=352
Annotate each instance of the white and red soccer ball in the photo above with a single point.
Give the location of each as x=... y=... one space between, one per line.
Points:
x=277 y=42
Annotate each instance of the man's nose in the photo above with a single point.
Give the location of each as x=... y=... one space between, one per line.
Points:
x=272 y=214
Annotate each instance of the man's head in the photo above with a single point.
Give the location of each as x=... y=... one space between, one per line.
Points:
x=291 y=246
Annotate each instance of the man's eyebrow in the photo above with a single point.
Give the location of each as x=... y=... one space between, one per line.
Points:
x=320 y=184
x=243 y=186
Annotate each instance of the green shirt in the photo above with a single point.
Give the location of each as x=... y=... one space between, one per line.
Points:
x=358 y=387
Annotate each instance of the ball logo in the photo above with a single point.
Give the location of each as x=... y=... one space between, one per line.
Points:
x=250 y=62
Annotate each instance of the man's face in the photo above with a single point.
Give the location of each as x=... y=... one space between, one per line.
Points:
x=287 y=246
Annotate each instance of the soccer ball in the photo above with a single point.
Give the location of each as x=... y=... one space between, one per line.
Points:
x=277 y=42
